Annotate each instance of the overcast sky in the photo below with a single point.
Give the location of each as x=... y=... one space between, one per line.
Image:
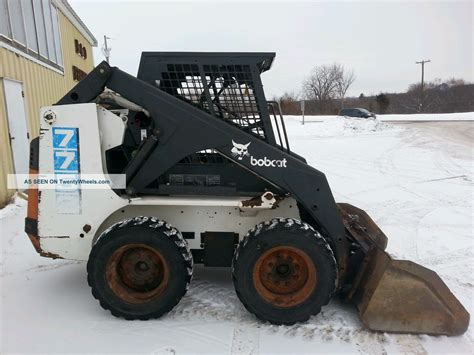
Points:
x=379 y=40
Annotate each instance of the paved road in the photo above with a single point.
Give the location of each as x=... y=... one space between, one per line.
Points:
x=456 y=137
x=461 y=132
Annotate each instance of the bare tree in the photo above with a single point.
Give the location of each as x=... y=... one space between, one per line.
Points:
x=345 y=80
x=327 y=82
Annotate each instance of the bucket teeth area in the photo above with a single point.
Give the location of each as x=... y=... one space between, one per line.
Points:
x=402 y=296
x=398 y=295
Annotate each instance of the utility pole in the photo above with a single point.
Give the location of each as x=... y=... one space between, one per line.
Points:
x=106 y=50
x=422 y=80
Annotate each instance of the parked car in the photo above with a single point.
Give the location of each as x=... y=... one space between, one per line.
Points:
x=357 y=112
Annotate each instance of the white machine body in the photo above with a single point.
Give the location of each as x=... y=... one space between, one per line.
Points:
x=76 y=137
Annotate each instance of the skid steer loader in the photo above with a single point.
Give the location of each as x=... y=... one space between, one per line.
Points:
x=211 y=179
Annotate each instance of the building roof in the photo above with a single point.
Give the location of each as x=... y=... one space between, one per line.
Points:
x=72 y=16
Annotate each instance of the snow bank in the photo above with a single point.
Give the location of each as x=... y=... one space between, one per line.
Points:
x=329 y=126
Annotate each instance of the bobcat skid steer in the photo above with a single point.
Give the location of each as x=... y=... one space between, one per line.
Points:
x=210 y=178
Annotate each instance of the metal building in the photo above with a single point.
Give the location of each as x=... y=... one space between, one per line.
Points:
x=45 y=49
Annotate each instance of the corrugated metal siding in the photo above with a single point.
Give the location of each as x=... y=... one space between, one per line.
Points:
x=69 y=53
x=42 y=87
x=6 y=163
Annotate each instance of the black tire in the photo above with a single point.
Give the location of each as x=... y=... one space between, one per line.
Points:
x=139 y=268
x=269 y=274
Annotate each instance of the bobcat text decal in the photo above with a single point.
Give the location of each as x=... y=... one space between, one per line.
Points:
x=240 y=151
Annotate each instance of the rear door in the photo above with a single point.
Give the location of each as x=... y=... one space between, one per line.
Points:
x=17 y=124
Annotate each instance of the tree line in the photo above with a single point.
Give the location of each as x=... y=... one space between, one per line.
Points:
x=324 y=91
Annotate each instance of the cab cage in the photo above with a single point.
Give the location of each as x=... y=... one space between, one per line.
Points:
x=225 y=85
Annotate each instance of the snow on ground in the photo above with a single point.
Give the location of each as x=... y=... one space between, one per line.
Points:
x=415 y=180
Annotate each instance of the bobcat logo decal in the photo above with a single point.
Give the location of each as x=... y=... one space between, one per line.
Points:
x=240 y=150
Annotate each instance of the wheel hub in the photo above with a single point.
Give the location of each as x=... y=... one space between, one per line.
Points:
x=141 y=266
x=137 y=273
x=285 y=276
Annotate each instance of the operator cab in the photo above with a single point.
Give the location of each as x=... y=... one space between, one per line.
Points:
x=225 y=85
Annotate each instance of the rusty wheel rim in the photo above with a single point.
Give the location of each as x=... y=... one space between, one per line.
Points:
x=285 y=276
x=137 y=273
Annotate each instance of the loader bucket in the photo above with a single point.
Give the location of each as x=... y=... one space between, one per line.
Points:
x=398 y=295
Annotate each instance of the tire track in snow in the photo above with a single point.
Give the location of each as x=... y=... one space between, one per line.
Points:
x=245 y=340
x=410 y=344
x=43 y=267
x=206 y=299
x=452 y=257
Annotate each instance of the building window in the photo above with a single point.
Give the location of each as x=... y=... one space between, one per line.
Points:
x=57 y=36
x=40 y=29
x=48 y=20
x=29 y=16
x=33 y=27
x=16 y=21
x=4 y=25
